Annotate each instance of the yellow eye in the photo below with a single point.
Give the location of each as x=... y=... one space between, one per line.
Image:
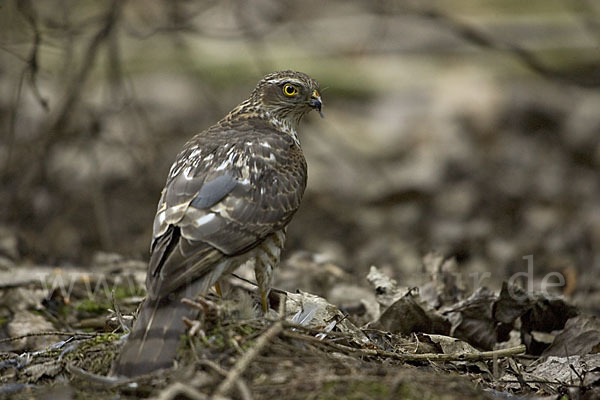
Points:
x=289 y=90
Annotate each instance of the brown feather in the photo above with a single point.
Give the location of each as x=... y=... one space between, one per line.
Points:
x=229 y=196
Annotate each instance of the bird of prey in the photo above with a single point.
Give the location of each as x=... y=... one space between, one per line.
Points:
x=228 y=198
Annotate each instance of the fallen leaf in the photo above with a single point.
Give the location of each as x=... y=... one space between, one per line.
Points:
x=580 y=336
x=406 y=316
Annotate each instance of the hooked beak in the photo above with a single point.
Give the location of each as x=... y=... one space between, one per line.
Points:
x=316 y=103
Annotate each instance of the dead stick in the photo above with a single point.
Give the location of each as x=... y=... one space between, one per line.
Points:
x=177 y=389
x=85 y=335
x=241 y=385
x=243 y=363
x=95 y=378
x=484 y=355
x=540 y=381
x=314 y=331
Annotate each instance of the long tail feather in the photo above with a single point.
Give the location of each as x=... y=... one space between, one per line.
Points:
x=155 y=338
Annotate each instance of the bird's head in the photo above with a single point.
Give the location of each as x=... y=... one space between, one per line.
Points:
x=285 y=96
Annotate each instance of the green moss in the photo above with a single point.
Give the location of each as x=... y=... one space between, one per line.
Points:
x=3 y=321
x=64 y=310
x=246 y=330
x=123 y=292
x=96 y=354
x=91 y=306
x=101 y=339
x=216 y=340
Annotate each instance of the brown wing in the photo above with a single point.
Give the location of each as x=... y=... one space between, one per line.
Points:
x=231 y=187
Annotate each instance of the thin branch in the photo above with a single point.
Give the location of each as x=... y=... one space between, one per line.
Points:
x=179 y=389
x=314 y=331
x=484 y=355
x=25 y=8
x=243 y=363
x=479 y=38
x=89 y=59
x=51 y=333
x=38 y=157
x=27 y=11
x=12 y=123
x=540 y=381
x=241 y=385
x=95 y=378
x=118 y=314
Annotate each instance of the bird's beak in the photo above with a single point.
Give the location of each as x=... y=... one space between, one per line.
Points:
x=315 y=102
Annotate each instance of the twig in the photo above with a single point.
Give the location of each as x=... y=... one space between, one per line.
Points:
x=580 y=376
x=94 y=378
x=214 y=366
x=479 y=38
x=540 y=381
x=118 y=313
x=314 y=331
x=65 y=111
x=243 y=363
x=12 y=122
x=80 y=77
x=26 y=9
x=243 y=390
x=111 y=381
x=241 y=385
x=516 y=370
x=50 y=333
x=484 y=355
x=176 y=389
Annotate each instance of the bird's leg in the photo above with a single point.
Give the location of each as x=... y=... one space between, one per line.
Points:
x=264 y=278
x=218 y=289
x=266 y=261
x=264 y=301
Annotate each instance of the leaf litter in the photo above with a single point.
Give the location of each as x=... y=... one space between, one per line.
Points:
x=511 y=342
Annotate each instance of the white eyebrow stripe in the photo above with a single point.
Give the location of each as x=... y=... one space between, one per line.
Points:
x=288 y=80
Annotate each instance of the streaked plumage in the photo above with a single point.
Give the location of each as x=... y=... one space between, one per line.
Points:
x=228 y=198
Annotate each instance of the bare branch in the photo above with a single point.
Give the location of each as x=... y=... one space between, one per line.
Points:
x=484 y=355
x=482 y=39
x=78 y=82
x=27 y=10
x=52 y=333
x=243 y=363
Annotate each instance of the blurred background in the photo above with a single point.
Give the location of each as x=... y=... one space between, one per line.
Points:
x=468 y=129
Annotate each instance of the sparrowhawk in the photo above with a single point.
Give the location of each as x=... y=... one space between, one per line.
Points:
x=228 y=198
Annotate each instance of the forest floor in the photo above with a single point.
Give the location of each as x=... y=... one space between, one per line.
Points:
x=383 y=342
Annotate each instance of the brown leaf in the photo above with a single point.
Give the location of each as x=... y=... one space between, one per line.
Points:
x=406 y=316
x=472 y=319
x=512 y=303
x=545 y=315
x=580 y=336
